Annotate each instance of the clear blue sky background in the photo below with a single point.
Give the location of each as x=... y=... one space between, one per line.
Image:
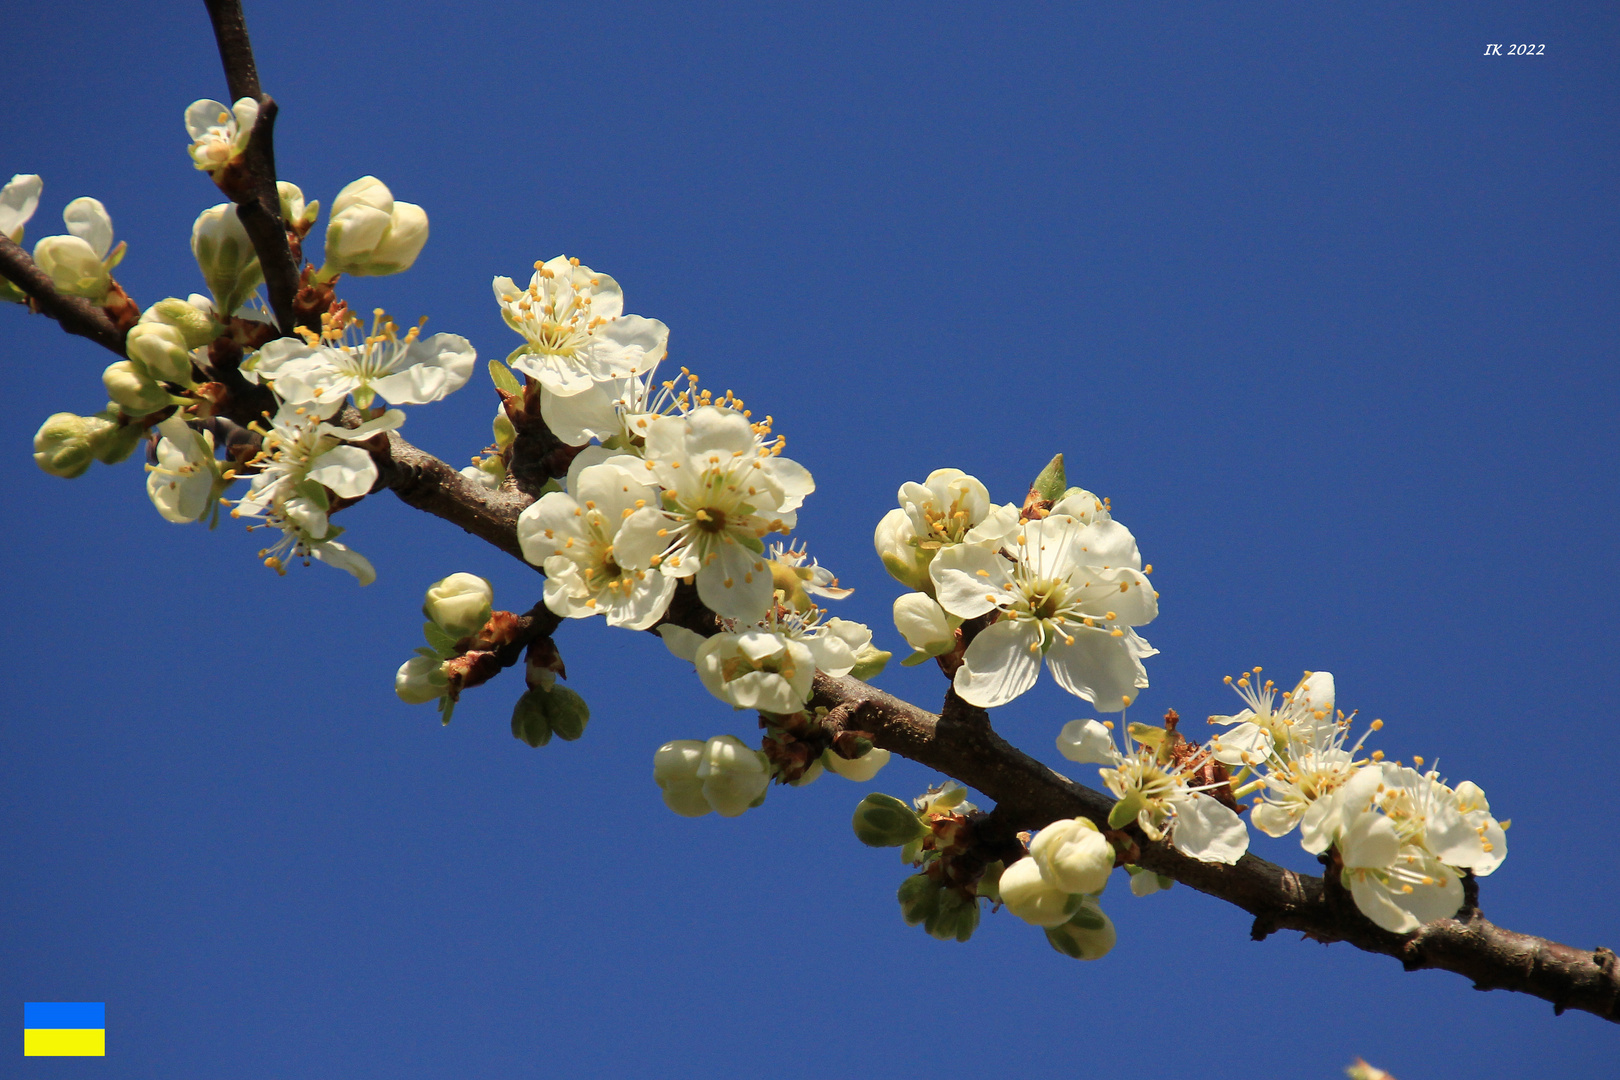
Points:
x=1323 y=298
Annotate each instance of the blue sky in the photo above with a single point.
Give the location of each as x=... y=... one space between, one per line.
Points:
x=1324 y=300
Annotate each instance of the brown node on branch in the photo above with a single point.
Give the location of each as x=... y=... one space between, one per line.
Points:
x=543 y=656
x=313 y=299
x=123 y=311
x=1200 y=765
x=1034 y=507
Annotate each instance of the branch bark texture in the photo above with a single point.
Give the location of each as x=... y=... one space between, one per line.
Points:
x=74 y=314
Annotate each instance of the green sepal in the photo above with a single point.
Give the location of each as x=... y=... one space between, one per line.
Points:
x=954 y=917
x=912 y=851
x=567 y=712
x=439 y=638
x=752 y=543
x=918 y=657
x=884 y=821
x=502 y=376
x=870 y=662
x=521 y=350
x=1050 y=484
x=1124 y=812
x=529 y=721
x=447 y=706
x=919 y=898
x=989 y=885
x=315 y=493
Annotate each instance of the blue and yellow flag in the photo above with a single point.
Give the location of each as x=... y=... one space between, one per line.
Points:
x=65 y=1029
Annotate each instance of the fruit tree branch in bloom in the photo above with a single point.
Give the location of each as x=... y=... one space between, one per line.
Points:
x=74 y=314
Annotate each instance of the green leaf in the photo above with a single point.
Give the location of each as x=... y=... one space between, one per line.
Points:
x=1050 y=484
x=502 y=377
x=440 y=640
x=529 y=721
x=884 y=821
x=919 y=898
x=567 y=712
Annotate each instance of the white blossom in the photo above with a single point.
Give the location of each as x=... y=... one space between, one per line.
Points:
x=724 y=491
x=18 y=201
x=1069 y=592
x=342 y=360
x=577 y=538
x=459 y=604
x=675 y=771
x=1073 y=855
x=723 y=775
x=132 y=389
x=1262 y=724
x=187 y=479
x=574 y=328
x=757 y=669
x=219 y=134
x=1031 y=896
x=1398 y=886
x=1088 y=742
x=421 y=679
x=859 y=769
x=81 y=262
x=1159 y=793
x=304 y=458
x=925 y=626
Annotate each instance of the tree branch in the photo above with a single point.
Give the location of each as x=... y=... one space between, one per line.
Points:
x=423 y=481
x=74 y=314
x=253 y=186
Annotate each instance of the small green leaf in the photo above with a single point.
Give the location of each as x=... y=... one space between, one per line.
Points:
x=567 y=712
x=1125 y=811
x=1050 y=484
x=439 y=639
x=919 y=898
x=884 y=821
x=529 y=721
x=502 y=376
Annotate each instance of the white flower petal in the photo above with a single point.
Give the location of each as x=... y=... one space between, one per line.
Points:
x=1001 y=663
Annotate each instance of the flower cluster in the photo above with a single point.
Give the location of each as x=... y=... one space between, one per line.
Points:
x=1059 y=580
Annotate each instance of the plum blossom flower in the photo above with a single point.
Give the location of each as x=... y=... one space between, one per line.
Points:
x=1063 y=590
x=949 y=507
x=342 y=360
x=574 y=328
x=303 y=459
x=370 y=234
x=81 y=262
x=1398 y=886
x=187 y=479
x=757 y=669
x=1158 y=790
x=723 y=492
x=722 y=775
x=1262 y=725
x=219 y=135
x=575 y=537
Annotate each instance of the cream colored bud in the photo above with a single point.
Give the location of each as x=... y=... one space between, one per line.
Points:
x=859 y=769
x=161 y=350
x=1088 y=935
x=734 y=775
x=420 y=680
x=62 y=446
x=197 y=325
x=225 y=255
x=895 y=541
x=675 y=768
x=1028 y=895
x=371 y=234
x=74 y=267
x=460 y=603
x=1073 y=855
x=132 y=389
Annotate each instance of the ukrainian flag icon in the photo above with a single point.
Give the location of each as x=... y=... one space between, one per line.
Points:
x=65 y=1029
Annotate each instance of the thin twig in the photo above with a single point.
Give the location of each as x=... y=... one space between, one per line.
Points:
x=74 y=314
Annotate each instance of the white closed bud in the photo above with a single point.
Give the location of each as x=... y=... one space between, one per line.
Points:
x=370 y=233
x=134 y=391
x=460 y=603
x=421 y=679
x=1088 y=742
x=161 y=350
x=1028 y=895
x=63 y=444
x=859 y=769
x=225 y=256
x=195 y=322
x=1073 y=855
x=734 y=775
x=675 y=771
x=895 y=541
x=757 y=669
x=924 y=625
x=74 y=267
x=296 y=214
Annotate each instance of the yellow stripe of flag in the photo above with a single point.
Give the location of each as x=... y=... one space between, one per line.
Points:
x=64 y=1042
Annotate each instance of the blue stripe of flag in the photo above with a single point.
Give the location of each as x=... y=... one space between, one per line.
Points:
x=65 y=1014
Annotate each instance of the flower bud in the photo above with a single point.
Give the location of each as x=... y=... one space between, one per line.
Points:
x=134 y=390
x=1050 y=484
x=1087 y=742
x=924 y=625
x=18 y=201
x=296 y=214
x=734 y=775
x=675 y=767
x=955 y=917
x=1088 y=935
x=859 y=769
x=196 y=324
x=884 y=821
x=1028 y=895
x=1073 y=856
x=111 y=441
x=460 y=604
x=225 y=255
x=74 y=267
x=420 y=680
x=62 y=445
x=895 y=540
x=161 y=350
x=919 y=898
x=370 y=234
